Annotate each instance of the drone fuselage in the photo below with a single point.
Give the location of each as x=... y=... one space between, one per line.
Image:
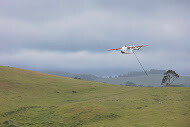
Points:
x=126 y=50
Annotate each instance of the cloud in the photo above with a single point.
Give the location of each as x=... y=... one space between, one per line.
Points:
x=89 y=29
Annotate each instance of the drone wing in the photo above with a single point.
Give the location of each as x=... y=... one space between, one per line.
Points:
x=114 y=49
x=142 y=46
x=136 y=46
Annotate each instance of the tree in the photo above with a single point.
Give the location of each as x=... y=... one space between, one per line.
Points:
x=169 y=77
x=128 y=83
x=76 y=78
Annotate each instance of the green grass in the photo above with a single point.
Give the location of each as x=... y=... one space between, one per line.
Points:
x=33 y=99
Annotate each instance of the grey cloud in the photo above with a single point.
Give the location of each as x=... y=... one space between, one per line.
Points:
x=75 y=34
x=38 y=11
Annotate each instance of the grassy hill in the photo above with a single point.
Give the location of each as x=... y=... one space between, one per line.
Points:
x=29 y=98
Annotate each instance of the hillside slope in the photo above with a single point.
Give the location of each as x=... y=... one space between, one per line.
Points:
x=35 y=99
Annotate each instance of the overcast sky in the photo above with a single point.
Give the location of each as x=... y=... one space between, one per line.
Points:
x=73 y=35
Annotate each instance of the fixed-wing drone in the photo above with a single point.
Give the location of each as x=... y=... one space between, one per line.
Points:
x=129 y=49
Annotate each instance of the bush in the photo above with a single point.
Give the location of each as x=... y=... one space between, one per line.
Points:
x=128 y=83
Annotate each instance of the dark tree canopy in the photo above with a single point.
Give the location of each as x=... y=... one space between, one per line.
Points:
x=169 y=77
x=128 y=83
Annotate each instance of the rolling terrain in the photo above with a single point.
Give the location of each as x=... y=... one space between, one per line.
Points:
x=29 y=98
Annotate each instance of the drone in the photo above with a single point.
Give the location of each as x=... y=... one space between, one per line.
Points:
x=129 y=50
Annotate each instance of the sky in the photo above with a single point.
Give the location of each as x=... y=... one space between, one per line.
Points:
x=73 y=36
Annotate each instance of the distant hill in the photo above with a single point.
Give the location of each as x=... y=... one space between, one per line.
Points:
x=137 y=73
x=29 y=98
x=153 y=80
x=88 y=77
x=91 y=77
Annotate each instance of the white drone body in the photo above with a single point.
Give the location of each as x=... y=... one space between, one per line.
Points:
x=128 y=49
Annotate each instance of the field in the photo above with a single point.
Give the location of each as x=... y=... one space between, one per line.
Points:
x=34 y=99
